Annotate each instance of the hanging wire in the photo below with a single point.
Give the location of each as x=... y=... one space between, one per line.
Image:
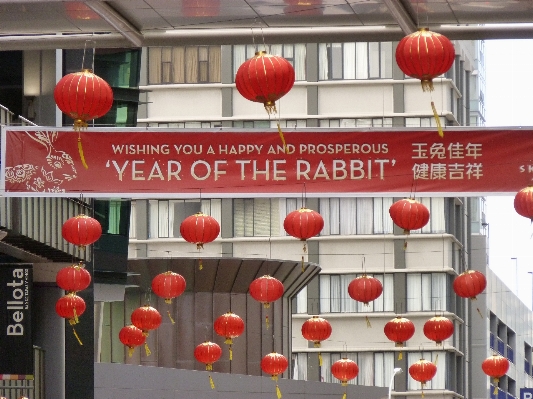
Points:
x=84 y=52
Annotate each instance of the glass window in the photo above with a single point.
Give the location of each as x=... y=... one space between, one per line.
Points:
x=375 y=368
x=256 y=217
x=427 y=292
x=438 y=382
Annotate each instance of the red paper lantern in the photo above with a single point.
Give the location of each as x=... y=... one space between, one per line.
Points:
x=409 y=214
x=399 y=330
x=265 y=78
x=469 y=284
x=438 y=329
x=316 y=329
x=81 y=230
x=266 y=289
x=83 y=96
x=208 y=353
x=131 y=336
x=423 y=371
x=523 y=202
x=199 y=229
x=303 y=223
x=425 y=55
x=73 y=278
x=168 y=285
x=229 y=326
x=365 y=289
x=274 y=364
x=495 y=366
x=344 y=370
x=70 y=307
x=146 y=318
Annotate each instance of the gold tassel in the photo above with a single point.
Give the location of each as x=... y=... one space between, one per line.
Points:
x=82 y=157
x=422 y=393
x=427 y=85
x=436 y=359
x=211 y=382
x=405 y=245
x=400 y=355
x=76 y=321
x=283 y=139
x=266 y=322
x=278 y=392
x=230 y=353
x=437 y=119
x=344 y=395
x=130 y=350
x=147 y=349
x=496 y=380
x=200 y=264
x=209 y=366
x=368 y=325
x=76 y=335
x=170 y=317
x=320 y=359
x=479 y=311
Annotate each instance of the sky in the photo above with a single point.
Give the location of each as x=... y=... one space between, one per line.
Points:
x=509 y=102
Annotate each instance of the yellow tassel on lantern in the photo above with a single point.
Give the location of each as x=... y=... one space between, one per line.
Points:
x=285 y=148
x=230 y=353
x=82 y=157
x=267 y=322
x=147 y=349
x=436 y=359
x=278 y=392
x=344 y=395
x=303 y=266
x=320 y=359
x=496 y=380
x=437 y=119
x=76 y=335
x=130 y=350
x=76 y=321
x=170 y=317
x=200 y=264
x=368 y=325
x=209 y=366
x=211 y=382
x=400 y=355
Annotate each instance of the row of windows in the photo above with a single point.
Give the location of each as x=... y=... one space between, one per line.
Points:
x=375 y=368
x=426 y=292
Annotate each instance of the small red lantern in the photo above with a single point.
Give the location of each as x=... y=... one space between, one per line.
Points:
x=81 y=230
x=208 y=353
x=274 y=364
x=199 y=229
x=303 y=223
x=73 y=278
x=168 y=285
x=229 y=326
x=131 y=336
x=495 y=366
x=399 y=330
x=316 y=329
x=469 y=284
x=146 y=318
x=344 y=370
x=365 y=289
x=409 y=214
x=423 y=371
x=266 y=289
x=438 y=329
x=71 y=307
x=523 y=202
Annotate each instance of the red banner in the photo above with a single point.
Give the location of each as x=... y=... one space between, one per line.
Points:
x=163 y=163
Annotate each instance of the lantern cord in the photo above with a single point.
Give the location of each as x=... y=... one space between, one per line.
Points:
x=437 y=120
x=170 y=317
x=211 y=382
x=479 y=312
x=76 y=335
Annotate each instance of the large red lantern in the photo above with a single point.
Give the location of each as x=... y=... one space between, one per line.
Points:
x=208 y=353
x=344 y=370
x=168 y=285
x=469 y=284
x=81 y=230
x=303 y=223
x=438 y=329
x=199 y=229
x=316 y=329
x=146 y=318
x=399 y=330
x=229 y=326
x=409 y=214
x=266 y=289
x=73 y=278
x=71 y=307
x=365 y=289
x=274 y=364
x=495 y=366
x=132 y=337
x=523 y=202
x=423 y=371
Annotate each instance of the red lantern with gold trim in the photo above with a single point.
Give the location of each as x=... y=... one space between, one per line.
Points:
x=344 y=370
x=316 y=329
x=422 y=371
x=438 y=329
x=365 y=289
x=229 y=326
x=409 y=214
x=523 y=202
x=168 y=285
x=469 y=284
x=274 y=364
x=71 y=307
x=208 y=353
x=81 y=230
x=199 y=229
x=303 y=223
x=495 y=366
x=146 y=318
x=73 y=278
x=399 y=330
x=266 y=289
x=132 y=337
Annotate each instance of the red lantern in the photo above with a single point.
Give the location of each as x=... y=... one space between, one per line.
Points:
x=199 y=229
x=266 y=289
x=265 y=78
x=274 y=364
x=229 y=326
x=422 y=371
x=344 y=370
x=73 y=278
x=438 y=329
x=425 y=55
x=168 y=285
x=409 y=214
x=523 y=202
x=316 y=329
x=146 y=318
x=131 y=336
x=365 y=289
x=83 y=96
x=495 y=366
x=469 y=284
x=71 y=307
x=81 y=230
x=208 y=353
x=399 y=330
x=303 y=223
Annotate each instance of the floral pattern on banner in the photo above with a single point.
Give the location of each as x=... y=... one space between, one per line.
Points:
x=58 y=166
